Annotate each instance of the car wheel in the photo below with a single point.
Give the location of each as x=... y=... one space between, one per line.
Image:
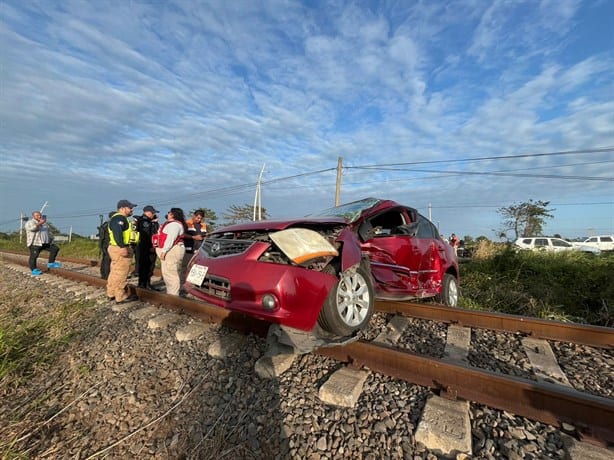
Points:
x=350 y=304
x=449 y=291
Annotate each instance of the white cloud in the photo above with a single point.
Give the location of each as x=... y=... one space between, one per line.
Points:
x=177 y=102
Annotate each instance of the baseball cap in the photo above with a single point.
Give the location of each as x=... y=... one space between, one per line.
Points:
x=150 y=208
x=125 y=204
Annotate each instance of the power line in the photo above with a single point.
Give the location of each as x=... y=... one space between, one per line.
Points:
x=503 y=157
x=229 y=190
x=494 y=173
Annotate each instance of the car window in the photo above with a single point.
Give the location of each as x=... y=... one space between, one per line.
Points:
x=606 y=239
x=425 y=228
x=540 y=242
x=592 y=240
x=527 y=241
x=383 y=224
x=560 y=243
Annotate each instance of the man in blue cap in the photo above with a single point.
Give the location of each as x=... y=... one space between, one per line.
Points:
x=121 y=234
x=147 y=226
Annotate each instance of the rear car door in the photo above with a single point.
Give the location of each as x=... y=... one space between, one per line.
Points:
x=432 y=250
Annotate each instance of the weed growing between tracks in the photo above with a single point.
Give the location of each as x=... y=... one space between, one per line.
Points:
x=30 y=341
x=568 y=286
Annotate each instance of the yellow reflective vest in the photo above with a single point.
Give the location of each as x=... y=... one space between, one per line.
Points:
x=129 y=235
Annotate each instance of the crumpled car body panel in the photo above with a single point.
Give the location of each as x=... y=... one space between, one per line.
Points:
x=244 y=264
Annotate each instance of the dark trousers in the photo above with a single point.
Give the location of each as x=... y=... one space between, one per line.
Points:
x=105 y=264
x=36 y=250
x=146 y=258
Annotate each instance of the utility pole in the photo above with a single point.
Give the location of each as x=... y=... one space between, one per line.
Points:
x=258 y=196
x=338 y=186
x=430 y=212
x=21 y=219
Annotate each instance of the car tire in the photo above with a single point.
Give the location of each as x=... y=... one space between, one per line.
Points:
x=449 y=291
x=350 y=304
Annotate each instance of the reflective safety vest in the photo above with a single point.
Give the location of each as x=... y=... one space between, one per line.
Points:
x=128 y=235
x=135 y=235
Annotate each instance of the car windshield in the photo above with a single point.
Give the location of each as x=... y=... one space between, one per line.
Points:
x=349 y=211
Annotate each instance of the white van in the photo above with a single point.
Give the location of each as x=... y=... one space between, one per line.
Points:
x=603 y=242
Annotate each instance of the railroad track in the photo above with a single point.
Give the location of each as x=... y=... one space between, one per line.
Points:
x=450 y=376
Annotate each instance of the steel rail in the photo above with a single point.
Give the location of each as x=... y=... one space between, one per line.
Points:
x=549 y=403
x=596 y=336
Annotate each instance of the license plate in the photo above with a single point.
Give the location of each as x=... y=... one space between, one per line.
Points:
x=197 y=274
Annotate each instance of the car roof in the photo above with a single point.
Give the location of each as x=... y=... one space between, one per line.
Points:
x=347 y=213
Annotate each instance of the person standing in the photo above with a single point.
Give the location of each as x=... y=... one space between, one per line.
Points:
x=103 y=242
x=170 y=249
x=454 y=243
x=38 y=238
x=196 y=230
x=120 y=252
x=147 y=226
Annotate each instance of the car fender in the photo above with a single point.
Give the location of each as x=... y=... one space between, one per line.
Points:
x=351 y=254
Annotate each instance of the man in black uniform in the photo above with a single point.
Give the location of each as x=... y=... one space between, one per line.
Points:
x=147 y=225
x=103 y=242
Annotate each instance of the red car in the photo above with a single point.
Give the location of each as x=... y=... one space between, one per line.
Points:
x=325 y=269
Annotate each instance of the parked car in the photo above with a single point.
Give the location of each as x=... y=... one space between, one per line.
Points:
x=602 y=242
x=545 y=243
x=325 y=269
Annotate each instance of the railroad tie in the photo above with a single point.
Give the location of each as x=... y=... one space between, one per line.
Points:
x=344 y=386
x=445 y=425
x=543 y=361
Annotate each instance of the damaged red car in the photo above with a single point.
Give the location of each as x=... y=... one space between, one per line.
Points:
x=327 y=269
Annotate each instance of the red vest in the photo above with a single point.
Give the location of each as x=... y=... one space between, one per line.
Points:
x=158 y=239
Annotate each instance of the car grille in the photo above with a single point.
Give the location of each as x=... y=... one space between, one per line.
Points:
x=216 y=287
x=220 y=247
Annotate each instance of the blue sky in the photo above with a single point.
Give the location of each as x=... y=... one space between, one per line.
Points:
x=181 y=103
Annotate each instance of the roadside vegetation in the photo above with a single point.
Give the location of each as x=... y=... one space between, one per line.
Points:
x=566 y=286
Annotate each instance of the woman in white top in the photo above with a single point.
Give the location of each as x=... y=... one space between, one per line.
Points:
x=171 y=250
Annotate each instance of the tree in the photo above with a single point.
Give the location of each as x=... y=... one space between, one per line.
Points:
x=526 y=218
x=237 y=214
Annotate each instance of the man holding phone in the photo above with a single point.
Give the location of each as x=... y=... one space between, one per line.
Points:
x=38 y=238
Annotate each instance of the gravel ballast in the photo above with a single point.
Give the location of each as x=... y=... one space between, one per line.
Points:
x=118 y=389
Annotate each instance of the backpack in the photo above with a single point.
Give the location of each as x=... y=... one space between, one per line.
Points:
x=103 y=235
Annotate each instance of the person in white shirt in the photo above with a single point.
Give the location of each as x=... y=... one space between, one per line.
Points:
x=171 y=249
x=39 y=238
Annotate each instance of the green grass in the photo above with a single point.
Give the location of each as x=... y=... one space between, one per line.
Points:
x=28 y=340
x=569 y=286
x=78 y=247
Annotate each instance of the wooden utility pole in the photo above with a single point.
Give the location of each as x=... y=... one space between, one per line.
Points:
x=338 y=187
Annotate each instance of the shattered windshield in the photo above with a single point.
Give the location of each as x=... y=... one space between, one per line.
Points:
x=350 y=211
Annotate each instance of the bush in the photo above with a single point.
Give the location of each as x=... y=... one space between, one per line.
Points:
x=568 y=286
